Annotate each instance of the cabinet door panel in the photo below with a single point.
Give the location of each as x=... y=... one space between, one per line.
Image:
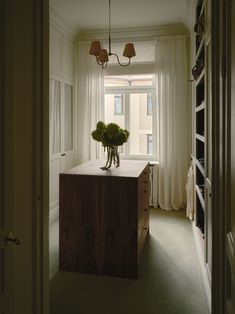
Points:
x=68 y=117
x=55 y=50
x=68 y=64
x=55 y=169
x=67 y=160
x=55 y=117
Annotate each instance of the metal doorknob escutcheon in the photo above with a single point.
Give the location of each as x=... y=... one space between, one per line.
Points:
x=9 y=239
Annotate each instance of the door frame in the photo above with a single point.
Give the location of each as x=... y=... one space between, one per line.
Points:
x=26 y=81
x=41 y=156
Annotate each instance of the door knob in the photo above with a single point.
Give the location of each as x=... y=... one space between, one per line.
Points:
x=9 y=239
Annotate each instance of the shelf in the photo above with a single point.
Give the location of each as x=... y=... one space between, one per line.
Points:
x=199 y=50
x=200 y=137
x=200 y=107
x=199 y=79
x=200 y=197
x=200 y=167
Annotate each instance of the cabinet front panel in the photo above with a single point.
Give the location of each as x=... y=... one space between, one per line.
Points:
x=98 y=225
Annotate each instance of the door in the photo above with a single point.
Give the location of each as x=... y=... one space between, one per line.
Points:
x=22 y=91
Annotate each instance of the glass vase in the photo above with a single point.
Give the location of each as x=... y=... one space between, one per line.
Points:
x=112 y=157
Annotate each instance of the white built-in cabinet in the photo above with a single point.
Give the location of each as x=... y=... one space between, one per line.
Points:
x=61 y=111
x=202 y=138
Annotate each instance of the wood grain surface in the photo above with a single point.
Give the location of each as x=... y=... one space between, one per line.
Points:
x=102 y=220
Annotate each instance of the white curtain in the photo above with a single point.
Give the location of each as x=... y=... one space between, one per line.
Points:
x=173 y=126
x=90 y=97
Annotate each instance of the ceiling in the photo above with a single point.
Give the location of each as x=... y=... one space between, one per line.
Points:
x=93 y=14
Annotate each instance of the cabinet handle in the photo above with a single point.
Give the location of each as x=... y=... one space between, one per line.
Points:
x=63 y=154
x=145 y=228
x=210 y=194
x=145 y=172
x=145 y=181
x=145 y=209
x=145 y=191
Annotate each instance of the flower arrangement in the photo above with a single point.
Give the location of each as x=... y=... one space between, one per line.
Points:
x=111 y=136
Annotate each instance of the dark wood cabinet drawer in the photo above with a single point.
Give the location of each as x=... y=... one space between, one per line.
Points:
x=143 y=234
x=142 y=221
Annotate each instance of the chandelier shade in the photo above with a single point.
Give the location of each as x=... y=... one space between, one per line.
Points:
x=95 y=48
x=102 y=55
x=129 y=50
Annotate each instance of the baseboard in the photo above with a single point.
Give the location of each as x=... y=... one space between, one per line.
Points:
x=204 y=267
x=54 y=214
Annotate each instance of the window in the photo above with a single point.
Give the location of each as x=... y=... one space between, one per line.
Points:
x=118 y=105
x=129 y=103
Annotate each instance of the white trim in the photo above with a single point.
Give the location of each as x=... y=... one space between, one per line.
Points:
x=142 y=89
x=203 y=265
x=61 y=23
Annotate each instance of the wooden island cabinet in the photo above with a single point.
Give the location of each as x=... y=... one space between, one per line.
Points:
x=104 y=218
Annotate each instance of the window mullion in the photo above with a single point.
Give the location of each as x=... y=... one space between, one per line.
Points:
x=127 y=119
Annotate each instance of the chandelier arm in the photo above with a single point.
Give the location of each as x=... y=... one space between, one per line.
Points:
x=122 y=64
x=100 y=63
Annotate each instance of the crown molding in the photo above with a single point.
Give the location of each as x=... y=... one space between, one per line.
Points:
x=134 y=33
x=60 y=22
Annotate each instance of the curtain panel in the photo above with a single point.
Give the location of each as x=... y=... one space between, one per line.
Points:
x=90 y=98
x=172 y=120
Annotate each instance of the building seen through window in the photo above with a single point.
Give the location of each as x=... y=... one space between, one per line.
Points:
x=118 y=105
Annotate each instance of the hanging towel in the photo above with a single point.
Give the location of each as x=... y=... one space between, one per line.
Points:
x=189 y=192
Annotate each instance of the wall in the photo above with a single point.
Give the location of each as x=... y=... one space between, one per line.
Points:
x=61 y=70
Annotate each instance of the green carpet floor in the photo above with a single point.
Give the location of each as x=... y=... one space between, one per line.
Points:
x=169 y=280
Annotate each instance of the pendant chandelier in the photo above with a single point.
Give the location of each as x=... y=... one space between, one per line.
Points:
x=102 y=55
